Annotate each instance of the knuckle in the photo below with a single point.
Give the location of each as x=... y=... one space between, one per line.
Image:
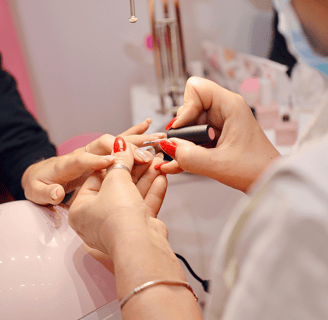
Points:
x=28 y=194
x=185 y=158
x=58 y=165
x=79 y=163
x=162 y=228
x=240 y=100
x=106 y=141
x=183 y=155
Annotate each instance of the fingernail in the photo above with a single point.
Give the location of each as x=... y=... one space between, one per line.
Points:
x=143 y=155
x=160 y=155
x=168 y=147
x=153 y=142
x=119 y=145
x=158 y=166
x=159 y=135
x=149 y=120
x=151 y=150
x=169 y=125
x=53 y=194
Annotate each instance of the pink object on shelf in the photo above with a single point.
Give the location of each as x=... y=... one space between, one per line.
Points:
x=149 y=42
x=214 y=62
x=267 y=116
x=267 y=111
x=251 y=84
x=286 y=132
x=250 y=90
x=76 y=142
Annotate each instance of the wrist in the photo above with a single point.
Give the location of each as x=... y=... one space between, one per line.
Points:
x=24 y=177
x=27 y=172
x=144 y=256
x=118 y=229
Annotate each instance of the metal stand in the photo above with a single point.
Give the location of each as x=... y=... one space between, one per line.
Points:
x=169 y=53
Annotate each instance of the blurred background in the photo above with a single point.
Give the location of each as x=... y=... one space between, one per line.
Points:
x=82 y=57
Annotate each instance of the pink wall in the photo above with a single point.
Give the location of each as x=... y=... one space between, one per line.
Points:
x=13 y=56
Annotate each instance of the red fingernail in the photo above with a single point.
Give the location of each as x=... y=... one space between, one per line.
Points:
x=158 y=166
x=119 y=145
x=168 y=147
x=169 y=125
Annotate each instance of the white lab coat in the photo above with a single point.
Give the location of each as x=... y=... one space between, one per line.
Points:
x=272 y=259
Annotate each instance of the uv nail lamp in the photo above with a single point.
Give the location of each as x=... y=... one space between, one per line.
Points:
x=45 y=271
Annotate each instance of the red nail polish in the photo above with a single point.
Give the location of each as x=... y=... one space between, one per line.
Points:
x=158 y=166
x=119 y=145
x=169 y=125
x=168 y=147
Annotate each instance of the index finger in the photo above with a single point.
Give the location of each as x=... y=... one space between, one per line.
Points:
x=103 y=145
x=139 y=128
x=171 y=167
x=118 y=181
x=138 y=140
x=200 y=96
x=91 y=187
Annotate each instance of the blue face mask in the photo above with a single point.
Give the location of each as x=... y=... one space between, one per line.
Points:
x=297 y=42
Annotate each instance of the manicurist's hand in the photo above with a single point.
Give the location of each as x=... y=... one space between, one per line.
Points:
x=242 y=151
x=115 y=213
x=47 y=181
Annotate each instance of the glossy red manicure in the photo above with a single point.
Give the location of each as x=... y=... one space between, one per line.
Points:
x=168 y=147
x=169 y=125
x=119 y=145
x=158 y=166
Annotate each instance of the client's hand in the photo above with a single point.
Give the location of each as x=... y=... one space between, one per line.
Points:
x=111 y=206
x=114 y=215
x=48 y=181
x=143 y=176
x=242 y=151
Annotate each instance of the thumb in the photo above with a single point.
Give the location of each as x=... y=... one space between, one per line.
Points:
x=43 y=193
x=190 y=157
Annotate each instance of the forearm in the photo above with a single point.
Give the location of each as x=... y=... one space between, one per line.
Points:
x=147 y=256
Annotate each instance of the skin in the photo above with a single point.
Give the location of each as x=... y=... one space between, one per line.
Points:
x=113 y=216
x=48 y=181
x=117 y=216
x=313 y=17
x=242 y=151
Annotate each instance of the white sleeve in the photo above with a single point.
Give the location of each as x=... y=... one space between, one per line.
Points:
x=282 y=256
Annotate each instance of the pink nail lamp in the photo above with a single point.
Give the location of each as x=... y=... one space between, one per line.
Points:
x=267 y=111
x=45 y=273
x=286 y=131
